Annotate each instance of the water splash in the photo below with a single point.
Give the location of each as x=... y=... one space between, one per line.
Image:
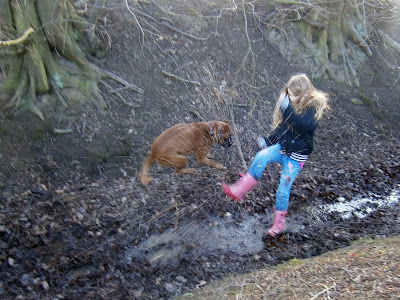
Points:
x=214 y=235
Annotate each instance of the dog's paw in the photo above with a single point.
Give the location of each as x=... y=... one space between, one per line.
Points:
x=220 y=167
x=146 y=180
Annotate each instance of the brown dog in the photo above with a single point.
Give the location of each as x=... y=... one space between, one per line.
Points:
x=171 y=146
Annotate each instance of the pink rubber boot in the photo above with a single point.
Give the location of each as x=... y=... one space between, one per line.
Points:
x=239 y=189
x=279 y=222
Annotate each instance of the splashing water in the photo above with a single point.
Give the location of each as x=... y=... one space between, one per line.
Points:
x=216 y=235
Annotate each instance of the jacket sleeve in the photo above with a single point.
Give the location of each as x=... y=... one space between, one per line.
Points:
x=272 y=139
x=300 y=123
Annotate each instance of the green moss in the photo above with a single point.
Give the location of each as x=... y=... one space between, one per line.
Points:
x=377 y=114
x=363 y=240
x=357 y=101
x=367 y=101
x=295 y=262
x=3 y=131
x=38 y=134
x=373 y=107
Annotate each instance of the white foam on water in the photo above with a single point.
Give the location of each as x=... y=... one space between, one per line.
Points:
x=362 y=207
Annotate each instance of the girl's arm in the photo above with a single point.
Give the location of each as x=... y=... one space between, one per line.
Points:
x=272 y=139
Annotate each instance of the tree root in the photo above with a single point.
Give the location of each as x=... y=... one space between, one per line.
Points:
x=319 y=54
x=36 y=71
x=89 y=85
x=389 y=41
x=353 y=33
x=125 y=86
x=334 y=36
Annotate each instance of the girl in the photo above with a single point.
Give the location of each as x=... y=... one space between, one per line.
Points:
x=299 y=107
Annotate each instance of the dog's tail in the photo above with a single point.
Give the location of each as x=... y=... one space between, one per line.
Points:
x=145 y=176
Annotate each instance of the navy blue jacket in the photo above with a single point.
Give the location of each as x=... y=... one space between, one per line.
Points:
x=296 y=132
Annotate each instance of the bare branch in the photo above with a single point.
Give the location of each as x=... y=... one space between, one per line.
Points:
x=19 y=40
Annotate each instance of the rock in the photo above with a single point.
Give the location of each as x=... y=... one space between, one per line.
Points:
x=170 y=288
x=45 y=285
x=27 y=279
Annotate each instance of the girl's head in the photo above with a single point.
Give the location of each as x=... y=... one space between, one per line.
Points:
x=299 y=89
x=303 y=95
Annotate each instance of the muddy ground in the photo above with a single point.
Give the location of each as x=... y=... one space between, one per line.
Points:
x=77 y=223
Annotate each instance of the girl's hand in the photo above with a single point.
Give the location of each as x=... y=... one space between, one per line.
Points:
x=284 y=103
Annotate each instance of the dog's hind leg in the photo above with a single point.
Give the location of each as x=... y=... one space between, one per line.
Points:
x=178 y=162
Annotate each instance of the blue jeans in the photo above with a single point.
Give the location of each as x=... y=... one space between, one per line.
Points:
x=290 y=169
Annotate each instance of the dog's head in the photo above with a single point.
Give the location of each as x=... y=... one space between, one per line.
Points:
x=221 y=133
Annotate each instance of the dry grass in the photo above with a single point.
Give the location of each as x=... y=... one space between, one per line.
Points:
x=368 y=269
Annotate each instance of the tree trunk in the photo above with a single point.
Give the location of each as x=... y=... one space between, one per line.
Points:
x=32 y=62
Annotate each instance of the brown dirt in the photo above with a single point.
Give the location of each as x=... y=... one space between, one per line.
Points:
x=73 y=213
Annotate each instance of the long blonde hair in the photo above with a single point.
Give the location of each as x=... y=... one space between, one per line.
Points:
x=300 y=85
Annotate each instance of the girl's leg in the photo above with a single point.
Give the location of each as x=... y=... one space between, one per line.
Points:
x=263 y=158
x=248 y=181
x=290 y=170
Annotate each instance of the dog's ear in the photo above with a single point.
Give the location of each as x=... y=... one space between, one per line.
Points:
x=226 y=127
x=213 y=128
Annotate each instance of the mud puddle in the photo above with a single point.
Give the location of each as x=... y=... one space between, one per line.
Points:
x=228 y=236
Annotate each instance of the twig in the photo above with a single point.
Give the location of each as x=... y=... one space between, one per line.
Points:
x=249 y=49
x=176 y=29
x=137 y=21
x=288 y=2
x=116 y=91
x=121 y=81
x=63 y=131
x=235 y=134
x=19 y=40
x=180 y=78
x=176 y=205
x=325 y=290
x=188 y=34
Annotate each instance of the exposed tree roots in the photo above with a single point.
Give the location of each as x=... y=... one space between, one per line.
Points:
x=49 y=55
x=335 y=36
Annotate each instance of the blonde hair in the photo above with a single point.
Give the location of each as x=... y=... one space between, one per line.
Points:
x=300 y=85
